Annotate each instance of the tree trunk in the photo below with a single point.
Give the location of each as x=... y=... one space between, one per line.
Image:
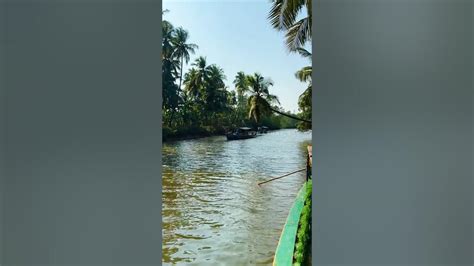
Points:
x=181 y=74
x=171 y=118
x=290 y=116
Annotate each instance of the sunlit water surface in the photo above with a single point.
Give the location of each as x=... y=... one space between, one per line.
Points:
x=213 y=211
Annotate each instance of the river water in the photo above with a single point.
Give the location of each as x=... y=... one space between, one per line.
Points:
x=213 y=211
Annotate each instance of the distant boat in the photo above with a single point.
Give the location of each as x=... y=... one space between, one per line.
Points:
x=241 y=133
x=263 y=129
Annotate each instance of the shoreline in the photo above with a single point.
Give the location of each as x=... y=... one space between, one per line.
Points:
x=190 y=137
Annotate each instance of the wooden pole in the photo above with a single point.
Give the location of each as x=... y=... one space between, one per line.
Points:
x=302 y=169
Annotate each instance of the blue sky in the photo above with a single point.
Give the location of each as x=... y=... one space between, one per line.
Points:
x=237 y=36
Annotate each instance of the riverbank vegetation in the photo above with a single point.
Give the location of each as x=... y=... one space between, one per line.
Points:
x=302 y=253
x=198 y=102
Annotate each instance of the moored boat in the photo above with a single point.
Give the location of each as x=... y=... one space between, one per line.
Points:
x=264 y=129
x=241 y=133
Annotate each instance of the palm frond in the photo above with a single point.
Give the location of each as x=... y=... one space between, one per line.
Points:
x=182 y=49
x=304 y=53
x=305 y=99
x=200 y=62
x=241 y=83
x=304 y=74
x=298 y=34
x=284 y=12
x=267 y=82
x=272 y=99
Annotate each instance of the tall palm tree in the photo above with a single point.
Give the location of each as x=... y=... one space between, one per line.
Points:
x=182 y=49
x=195 y=79
x=170 y=64
x=215 y=76
x=261 y=100
x=168 y=34
x=241 y=83
x=202 y=69
x=304 y=100
x=171 y=97
x=200 y=63
x=241 y=86
x=192 y=83
x=232 y=98
x=216 y=94
x=304 y=75
x=202 y=72
x=283 y=17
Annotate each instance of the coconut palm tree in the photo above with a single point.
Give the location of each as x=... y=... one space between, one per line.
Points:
x=200 y=63
x=283 y=17
x=195 y=79
x=232 y=98
x=169 y=72
x=241 y=83
x=171 y=97
x=215 y=76
x=168 y=34
x=202 y=69
x=260 y=101
x=192 y=83
x=216 y=94
x=241 y=86
x=304 y=75
x=182 y=49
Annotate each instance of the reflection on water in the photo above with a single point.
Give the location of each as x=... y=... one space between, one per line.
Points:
x=213 y=211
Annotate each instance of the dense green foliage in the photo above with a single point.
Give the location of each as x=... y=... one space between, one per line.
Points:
x=283 y=17
x=305 y=99
x=198 y=103
x=303 y=235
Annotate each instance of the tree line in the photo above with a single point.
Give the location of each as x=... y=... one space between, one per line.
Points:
x=198 y=102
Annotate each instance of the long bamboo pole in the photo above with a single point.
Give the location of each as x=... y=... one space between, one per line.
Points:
x=302 y=169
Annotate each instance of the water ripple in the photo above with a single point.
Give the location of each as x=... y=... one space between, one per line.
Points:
x=213 y=211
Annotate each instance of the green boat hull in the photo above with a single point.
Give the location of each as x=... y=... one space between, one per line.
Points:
x=284 y=255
